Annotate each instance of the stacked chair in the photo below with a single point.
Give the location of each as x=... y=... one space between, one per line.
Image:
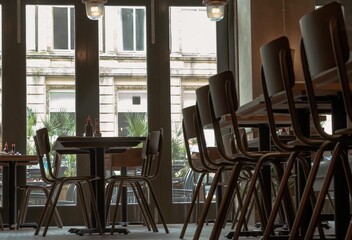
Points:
x=325 y=54
x=222 y=102
x=151 y=159
x=278 y=79
x=43 y=149
x=207 y=159
x=226 y=162
x=195 y=159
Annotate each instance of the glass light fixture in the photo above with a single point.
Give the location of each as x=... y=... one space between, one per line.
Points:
x=94 y=8
x=215 y=9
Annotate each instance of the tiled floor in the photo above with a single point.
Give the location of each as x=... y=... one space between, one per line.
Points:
x=136 y=232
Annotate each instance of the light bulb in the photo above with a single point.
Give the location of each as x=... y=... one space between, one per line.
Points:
x=94 y=9
x=215 y=12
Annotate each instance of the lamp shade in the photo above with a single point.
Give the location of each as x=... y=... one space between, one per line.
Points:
x=215 y=9
x=94 y=8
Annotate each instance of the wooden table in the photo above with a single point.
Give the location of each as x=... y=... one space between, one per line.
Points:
x=13 y=161
x=97 y=146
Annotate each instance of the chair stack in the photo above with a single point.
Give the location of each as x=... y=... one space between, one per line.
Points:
x=325 y=55
x=204 y=159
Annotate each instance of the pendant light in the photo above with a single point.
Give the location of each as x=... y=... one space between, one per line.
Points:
x=94 y=8
x=215 y=9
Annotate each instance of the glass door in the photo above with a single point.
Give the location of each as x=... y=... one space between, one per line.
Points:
x=123 y=83
x=192 y=61
x=50 y=75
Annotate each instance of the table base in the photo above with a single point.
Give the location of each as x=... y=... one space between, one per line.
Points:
x=83 y=231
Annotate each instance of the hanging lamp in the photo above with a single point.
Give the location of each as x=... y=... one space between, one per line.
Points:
x=94 y=8
x=215 y=9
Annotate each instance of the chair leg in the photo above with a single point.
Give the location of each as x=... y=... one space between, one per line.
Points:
x=145 y=206
x=142 y=209
x=307 y=190
x=53 y=209
x=193 y=201
x=349 y=233
x=46 y=208
x=225 y=203
x=207 y=203
x=321 y=197
x=280 y=195
x=248 y=197
x=240 y=203
x=57 y=217
x=157 y=206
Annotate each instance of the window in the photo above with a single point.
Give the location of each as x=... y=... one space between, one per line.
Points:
x=64 y=30
x=195 y=34
x=132 y=115
x=133 y=29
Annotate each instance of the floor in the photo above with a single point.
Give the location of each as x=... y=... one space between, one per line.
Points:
x=136 y=232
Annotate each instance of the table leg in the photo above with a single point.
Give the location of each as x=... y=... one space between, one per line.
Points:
x=264 y=145
x=304 y=122
x=124 y=200
x=341 y=193
x=12 y=180
x=100 y=184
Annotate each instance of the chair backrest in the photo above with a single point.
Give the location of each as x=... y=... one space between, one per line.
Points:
x=278 y=78
x=224 y=140
x=42 y=145
x=195 y=157
x=205 y=159
x=223 y=105
x=324 y=48
x=317 y=28
x=152 y=153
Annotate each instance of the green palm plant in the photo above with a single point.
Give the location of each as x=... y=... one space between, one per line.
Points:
x=60 y=123
x=137 y=124
x=31 y=123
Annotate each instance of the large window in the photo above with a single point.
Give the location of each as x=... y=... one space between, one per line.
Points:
x=192 y=61
x=50 y=78
x=123 y=71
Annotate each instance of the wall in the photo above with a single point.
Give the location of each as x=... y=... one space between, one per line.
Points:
x=258 y=22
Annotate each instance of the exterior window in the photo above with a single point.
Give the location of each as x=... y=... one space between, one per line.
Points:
x=63 y=24
x=133 y=32
x=62 y=113
x=132 y=115
x=136 y=100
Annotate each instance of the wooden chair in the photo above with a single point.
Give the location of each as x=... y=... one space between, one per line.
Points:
x=223 y=164
x=43 y=149
x=223 y=104
x=278 y=82
x=325 y=54
x=151 y=159
x=195 y=159
x=130 y=162
x=206 y=160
